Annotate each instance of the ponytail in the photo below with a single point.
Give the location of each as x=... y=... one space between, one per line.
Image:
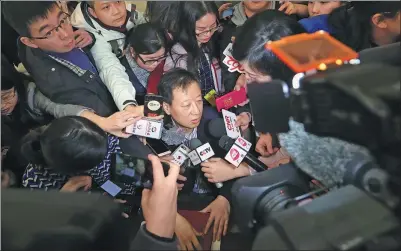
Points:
x=31 y=146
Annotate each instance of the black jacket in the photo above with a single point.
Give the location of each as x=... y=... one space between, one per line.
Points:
x=61 y=84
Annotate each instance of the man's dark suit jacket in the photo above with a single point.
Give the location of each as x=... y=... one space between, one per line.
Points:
x=188 y=202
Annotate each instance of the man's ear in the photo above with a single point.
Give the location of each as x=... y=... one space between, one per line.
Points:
x=379 y=21
x=28 y=42
x=92 y=12
x=166 y=108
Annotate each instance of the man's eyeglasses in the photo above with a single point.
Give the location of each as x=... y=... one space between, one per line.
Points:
x=65 y=20
x=151 y=61
x=211 y=30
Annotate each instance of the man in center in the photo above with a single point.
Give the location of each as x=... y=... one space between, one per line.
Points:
x=186 y=117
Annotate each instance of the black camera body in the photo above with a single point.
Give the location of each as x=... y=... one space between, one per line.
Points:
x=343 y=219
x=358 y=103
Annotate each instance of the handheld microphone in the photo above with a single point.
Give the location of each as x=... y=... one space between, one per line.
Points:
x=227 y=143
x=201 y=153
x=229 y=123
x=180 y=154
x=215 y=128
x=146 y=127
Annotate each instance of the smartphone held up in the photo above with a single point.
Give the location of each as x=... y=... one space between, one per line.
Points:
x=127 y=169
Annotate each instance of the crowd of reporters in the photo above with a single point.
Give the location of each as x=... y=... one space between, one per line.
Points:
x=80 y=71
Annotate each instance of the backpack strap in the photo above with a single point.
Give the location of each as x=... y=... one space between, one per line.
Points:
x=116 y=49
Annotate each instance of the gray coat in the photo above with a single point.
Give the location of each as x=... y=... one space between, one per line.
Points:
x=39 y=105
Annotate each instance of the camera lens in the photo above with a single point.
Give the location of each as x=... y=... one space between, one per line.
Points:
x=277 y=199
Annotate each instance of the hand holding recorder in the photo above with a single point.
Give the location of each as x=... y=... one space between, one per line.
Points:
x=151 y=125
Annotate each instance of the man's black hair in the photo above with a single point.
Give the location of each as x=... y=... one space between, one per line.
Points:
x=173 y=79
x=20 y=15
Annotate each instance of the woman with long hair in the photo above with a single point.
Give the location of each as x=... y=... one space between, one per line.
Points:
x=146 y=50
x=196 y=49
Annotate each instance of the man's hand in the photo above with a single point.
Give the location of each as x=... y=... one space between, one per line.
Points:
x=243 y=120
x=264 y=145
x=218 y=170
x=168 y=159
x=241 y=82
x=82 y=38
x=136 y=110
x=290 y=8
x=219 y=211
x=280 y=157
x=76 y=183
x=224 y=7
x=159 y=205
x=116 y=123
x=186 y=234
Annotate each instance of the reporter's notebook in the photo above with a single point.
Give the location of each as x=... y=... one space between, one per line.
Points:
x=198 y=221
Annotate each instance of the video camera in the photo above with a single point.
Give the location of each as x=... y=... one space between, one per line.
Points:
x=334 y=94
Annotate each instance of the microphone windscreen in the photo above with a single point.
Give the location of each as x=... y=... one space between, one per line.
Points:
x=194 y=143
x=216 y=128
x=323 y=158
x=226 y=142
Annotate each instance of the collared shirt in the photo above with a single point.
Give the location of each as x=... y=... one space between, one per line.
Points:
x=199 y=187
x=77 y=57
x=141 y=74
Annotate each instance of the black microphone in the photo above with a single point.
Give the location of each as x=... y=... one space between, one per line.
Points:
x=196 y=144
x=215 y=128
x=226 y=143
